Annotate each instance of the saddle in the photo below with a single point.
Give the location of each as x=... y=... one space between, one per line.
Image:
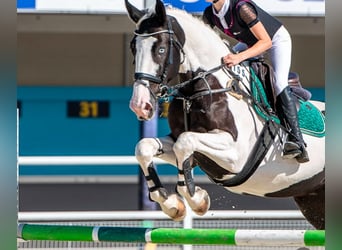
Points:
x=311 y=120
x=296 y=87
x=265 y=73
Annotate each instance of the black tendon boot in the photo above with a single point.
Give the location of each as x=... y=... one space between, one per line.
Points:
x=294 y=147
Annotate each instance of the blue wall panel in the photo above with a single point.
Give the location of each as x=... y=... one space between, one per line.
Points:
x=45 y=129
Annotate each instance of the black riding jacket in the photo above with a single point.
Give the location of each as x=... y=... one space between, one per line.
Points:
x=237 y=27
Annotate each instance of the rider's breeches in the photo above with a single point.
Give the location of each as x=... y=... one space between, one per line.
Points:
x=279 y=55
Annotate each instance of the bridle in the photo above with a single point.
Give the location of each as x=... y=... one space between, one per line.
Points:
x=146 y=78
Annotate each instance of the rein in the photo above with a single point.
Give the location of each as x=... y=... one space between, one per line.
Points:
x=173 y=90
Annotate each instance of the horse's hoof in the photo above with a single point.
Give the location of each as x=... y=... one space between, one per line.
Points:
x=204 y=205
x=179 y=215
x=174 y=207
x=199 y=202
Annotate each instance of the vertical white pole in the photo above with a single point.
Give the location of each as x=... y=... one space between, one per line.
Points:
x=187 y=223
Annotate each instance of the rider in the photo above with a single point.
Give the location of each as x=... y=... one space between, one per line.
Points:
x=258 y=32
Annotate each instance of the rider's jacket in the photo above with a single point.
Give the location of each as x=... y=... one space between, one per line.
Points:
x=239 y=29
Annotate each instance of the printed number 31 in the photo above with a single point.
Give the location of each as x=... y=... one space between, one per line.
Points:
x=88 y=109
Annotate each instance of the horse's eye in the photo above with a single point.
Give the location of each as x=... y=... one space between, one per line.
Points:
x=161 y=50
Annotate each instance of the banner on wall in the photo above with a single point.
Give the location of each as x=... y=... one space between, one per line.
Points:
x=293 y=7
x=275 y=7
x=26 y=4
x=85 y=6
x=193 y=6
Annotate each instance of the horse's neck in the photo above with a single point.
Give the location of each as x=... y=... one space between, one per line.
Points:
x=204 y=50
x=202 y=55
x=203 y=47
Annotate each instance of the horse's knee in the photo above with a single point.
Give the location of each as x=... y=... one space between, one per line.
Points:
x=185 y=143
x=145 y=148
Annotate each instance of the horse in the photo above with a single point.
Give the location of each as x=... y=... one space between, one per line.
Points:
x=215 y=120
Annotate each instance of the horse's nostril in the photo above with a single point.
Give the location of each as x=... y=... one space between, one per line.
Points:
x=148 y=107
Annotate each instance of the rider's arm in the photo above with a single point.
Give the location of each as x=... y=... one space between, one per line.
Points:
x=264 y=42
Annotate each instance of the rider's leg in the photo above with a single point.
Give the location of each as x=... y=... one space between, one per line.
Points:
x=280 y=55
x=294 y=147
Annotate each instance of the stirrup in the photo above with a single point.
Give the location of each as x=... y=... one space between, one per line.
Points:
x=303 y=157
x=294 y=150
x=291 y=150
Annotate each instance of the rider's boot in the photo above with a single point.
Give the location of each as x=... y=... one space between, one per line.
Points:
x=294 y=147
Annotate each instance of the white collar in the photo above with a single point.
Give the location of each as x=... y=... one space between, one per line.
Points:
x=223 y=10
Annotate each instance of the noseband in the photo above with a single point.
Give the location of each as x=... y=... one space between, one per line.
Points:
x=145 y=78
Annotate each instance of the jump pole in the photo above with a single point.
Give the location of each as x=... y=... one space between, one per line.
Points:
x=233 y=237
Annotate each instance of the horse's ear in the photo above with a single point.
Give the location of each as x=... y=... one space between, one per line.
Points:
x=133 y=13
x=160 y=11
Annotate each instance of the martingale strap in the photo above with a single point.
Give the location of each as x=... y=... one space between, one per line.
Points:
x=258 y=153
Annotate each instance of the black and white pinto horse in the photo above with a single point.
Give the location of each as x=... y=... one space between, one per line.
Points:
x=178 y=56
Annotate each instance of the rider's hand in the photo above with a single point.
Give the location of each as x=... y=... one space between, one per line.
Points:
x=232 y=59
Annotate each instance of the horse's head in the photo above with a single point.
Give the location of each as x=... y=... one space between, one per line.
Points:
x=156 y=47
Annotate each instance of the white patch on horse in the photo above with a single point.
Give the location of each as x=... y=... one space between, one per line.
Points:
x=195 y=58
x=144 y=62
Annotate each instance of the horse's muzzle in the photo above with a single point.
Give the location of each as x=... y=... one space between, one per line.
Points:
x=144 y=111
x=142 y=103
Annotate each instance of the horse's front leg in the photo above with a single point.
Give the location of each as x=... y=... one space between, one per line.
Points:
x=214 y=145
x=146 y=149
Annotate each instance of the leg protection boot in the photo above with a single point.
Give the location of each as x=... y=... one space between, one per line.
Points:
x=294 y=147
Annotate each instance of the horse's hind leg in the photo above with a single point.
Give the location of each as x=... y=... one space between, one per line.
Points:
x=312 y=207
x=145 y=150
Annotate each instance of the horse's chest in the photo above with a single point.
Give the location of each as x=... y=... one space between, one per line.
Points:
x=201 y=116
